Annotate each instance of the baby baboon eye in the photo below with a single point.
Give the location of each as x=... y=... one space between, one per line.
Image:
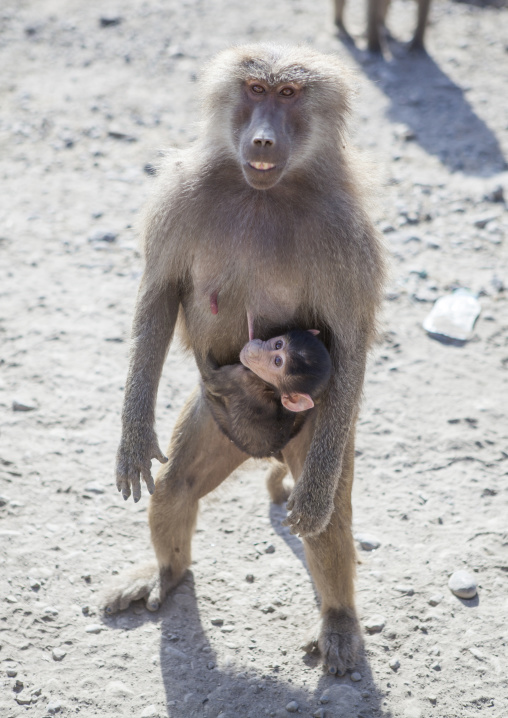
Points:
x=258 y=89
x=279 y=345
x=278 y=361
x=287 y=91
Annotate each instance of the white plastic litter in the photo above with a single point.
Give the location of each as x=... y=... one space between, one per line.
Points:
x=454 y=316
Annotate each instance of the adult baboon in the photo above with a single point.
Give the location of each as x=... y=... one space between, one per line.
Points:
x=264 y=212
x=376 y=22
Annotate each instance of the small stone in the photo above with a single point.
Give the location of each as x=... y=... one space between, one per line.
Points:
x=101 y=235
x=407 y=590
x=496 y=195
x=462 y=584
x=368 y=543
x=325 y=698
x=12 y=672
x=118 y=689
x=292 y=707
x=50 y=611
x=18 y=686
x=436 y=666
x=94 y=488
x=249 y=578
x=58 y=654
x=149 y=712
x=476 y=653
x=217 y=621
x=85 y=610
x=23 y=700
x=433 y=700
x=22 y=406
x=319 y=713
x=35 y=585
x=394 y=664
x=356 y=676
x=270 y=548
x=482 y=221
x=94 y=628
x=227 y=629
x=268 y=609
x=375 y=624
x=11 y=599
x=210 y=665
x=436 y=599
x=53 y=707
x=110 y=21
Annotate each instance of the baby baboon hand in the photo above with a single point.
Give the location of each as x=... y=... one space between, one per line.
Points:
x=310 y=512
x=134 y=459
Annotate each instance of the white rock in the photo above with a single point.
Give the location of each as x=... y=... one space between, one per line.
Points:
x=375 y=624
x=367 y=542
x=150 y=712
x=58 y=654
x=94 y=628
x=394 y=664
x=463 y=584
x=118 y=689
x=53 y=707
x=292 y=707
x=356 y=676
x=436 y=599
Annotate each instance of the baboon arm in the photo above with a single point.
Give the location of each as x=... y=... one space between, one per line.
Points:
x=152 y=331
x=312 y=499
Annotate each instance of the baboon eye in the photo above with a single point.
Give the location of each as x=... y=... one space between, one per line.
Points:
x=258 y=89
x=287 y=91
x=278 y=361
x=279 y=344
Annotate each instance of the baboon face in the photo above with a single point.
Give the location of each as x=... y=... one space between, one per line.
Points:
x=267 y=122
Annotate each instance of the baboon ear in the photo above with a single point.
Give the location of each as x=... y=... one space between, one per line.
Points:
x=313 y=331
x=297 y=402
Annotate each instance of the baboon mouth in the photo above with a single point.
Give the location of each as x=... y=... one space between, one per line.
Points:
x=263 y=166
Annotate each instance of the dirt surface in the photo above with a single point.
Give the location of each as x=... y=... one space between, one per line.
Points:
x=84 y=109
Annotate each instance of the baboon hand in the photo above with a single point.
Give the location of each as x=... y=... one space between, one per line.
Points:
x=134 y=459
x=310 y=512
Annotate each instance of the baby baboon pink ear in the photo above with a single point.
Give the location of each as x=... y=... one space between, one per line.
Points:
x=313 y=331
x=297 y=402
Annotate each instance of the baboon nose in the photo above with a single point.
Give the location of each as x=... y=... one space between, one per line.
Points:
x=262 y=142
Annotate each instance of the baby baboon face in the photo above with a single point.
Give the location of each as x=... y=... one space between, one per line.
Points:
x=267 y=359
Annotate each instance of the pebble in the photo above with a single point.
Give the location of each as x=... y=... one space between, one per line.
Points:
x=436 y=666
x=356 y=676
x=11 y=599
x=210 y=665
x=292 y=707
x=436 y=599
x=53 y=707
x=368 y=543
x=433 y=700
x=462 y=584
x=94 y=488
x=217 y=621
x=407 y=590
x=249 y=578
x=268 y=609
x=110 y=20
x=149 y=712
x=375 y=624
x=22 y=406
x=118 y=689
x=12 y=672
x=270 y=548
x=394 y=664
x=94 y=628
x=319 y=713
x=227 y=629
x=58 y=654
x=101 y=235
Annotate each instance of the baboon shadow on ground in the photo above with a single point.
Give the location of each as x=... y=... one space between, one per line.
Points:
x=433 y=108
x=198 y=684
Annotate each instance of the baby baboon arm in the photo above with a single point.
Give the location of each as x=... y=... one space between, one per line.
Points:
x=153 y=327
x=311 y=501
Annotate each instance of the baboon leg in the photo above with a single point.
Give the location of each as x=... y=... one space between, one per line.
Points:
x=331 y=559
x=339 y=14
x=423 y=14
x=200 y=458
x=274 y=483
x=376 y=23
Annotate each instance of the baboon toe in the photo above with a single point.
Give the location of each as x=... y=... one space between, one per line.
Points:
x=339 y=641
x=128 y=587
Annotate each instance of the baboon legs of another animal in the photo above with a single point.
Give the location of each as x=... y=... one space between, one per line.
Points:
x=200 y=458
x=423 y=14
x=331 y=559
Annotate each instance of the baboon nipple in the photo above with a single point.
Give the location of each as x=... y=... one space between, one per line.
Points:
x=214 y=302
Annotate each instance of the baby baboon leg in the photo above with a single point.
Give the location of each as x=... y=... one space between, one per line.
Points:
x=274 y=483
x=200 y=458
x=331 y=559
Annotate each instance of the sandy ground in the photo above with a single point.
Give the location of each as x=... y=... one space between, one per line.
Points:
x=83 y=110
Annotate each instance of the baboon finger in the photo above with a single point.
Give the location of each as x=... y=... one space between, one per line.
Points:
x=136 y=489
x=147 y=476
x=160 y=456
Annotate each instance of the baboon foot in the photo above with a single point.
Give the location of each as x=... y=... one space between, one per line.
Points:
x=149 y=582
x=338 y=639
x=279 y=492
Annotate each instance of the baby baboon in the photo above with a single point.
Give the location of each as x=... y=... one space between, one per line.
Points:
x=376 y=22
x=258 y=404
x=264 y=212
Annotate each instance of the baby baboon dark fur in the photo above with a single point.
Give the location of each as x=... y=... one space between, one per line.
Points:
x=249 y=410
x=265 y=212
